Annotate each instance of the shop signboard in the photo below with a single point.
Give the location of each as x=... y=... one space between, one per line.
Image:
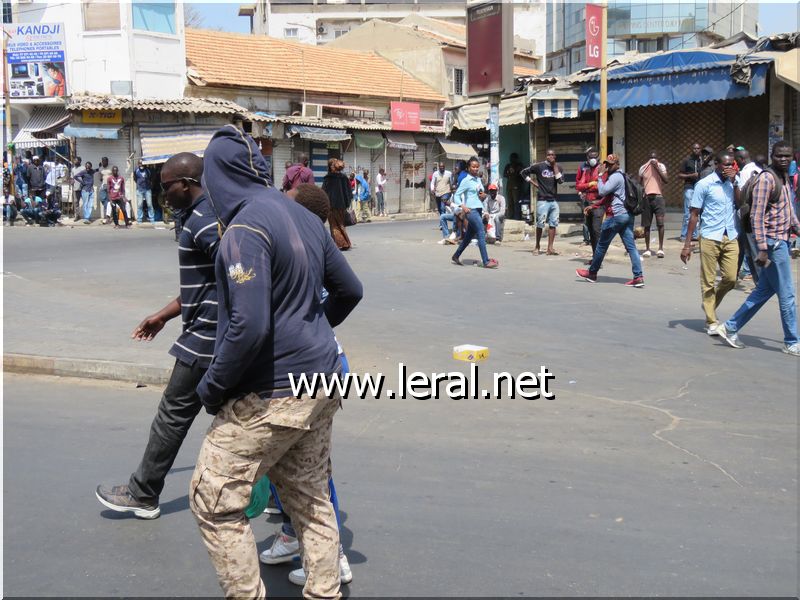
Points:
x=35 y=57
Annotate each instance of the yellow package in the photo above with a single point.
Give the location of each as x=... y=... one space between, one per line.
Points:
x=470 y=353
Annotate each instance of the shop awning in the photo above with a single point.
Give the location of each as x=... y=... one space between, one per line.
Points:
x=98 y=132
x=474 y=116
x=787 y=68
x=160 y=142
x=400 y=140
x=675 y=78
x=318 y=134
x=43 y=128
x=556 y=103
x=456 y=150
x=369 y=139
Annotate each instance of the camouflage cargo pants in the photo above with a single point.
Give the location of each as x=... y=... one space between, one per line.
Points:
x=289 y=439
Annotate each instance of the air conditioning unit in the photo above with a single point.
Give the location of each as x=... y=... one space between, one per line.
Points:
x=321 y=30
x=312 y=110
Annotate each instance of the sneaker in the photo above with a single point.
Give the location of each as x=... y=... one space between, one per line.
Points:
x=793 y=350
x=272 y=507
x=120 y=499
x=729 y=336
x=660 y=254
x=442 y=242
x=712 y=329
x=647 y=254
x=285 y=548
x=587 y=275
x=452 y=237
x=637 y=282
x=298 y=576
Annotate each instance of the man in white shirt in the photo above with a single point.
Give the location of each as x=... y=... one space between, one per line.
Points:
x=441 y=186
x=747 y=268
x=495 y=213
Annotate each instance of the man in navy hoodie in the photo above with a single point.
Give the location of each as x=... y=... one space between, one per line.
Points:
x=274 y=258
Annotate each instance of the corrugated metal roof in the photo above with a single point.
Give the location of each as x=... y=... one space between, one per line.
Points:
x=44 y=119
x=355 y=124
x=172 y=105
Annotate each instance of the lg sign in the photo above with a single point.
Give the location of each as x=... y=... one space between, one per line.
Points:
x=594 y=23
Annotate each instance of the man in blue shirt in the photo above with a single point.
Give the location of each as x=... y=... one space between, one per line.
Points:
x=713 y=195
x=144 y=193
x=469 y=196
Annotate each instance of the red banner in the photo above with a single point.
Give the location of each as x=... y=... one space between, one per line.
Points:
x=405 y=116
x=594 y=21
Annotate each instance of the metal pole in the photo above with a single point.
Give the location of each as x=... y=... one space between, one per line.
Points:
x=7 y=103
x=603 y=82
x=494 y=139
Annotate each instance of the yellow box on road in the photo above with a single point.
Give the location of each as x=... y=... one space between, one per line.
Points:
x=470 y=352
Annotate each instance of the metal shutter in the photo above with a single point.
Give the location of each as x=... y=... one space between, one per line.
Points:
x=118 y=152
x=569 y=138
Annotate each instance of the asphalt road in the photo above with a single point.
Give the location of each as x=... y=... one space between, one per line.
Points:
x=666 y=465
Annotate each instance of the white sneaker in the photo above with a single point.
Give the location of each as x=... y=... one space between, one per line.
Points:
x=729 y=336
x=298 y=576
x=712 y=329
x=452 y=237
x=284 y=549
x=793 y=350
x=442 y=241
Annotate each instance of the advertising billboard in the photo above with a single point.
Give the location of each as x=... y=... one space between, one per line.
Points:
x=490 y=48
x=405 y=116
x=594 y=24
x=36 y=57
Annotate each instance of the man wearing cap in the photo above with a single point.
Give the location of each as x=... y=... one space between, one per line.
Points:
x=611 y=187
x=719 y=248
x=690 y=175
x=494 y=206
x=548 y=175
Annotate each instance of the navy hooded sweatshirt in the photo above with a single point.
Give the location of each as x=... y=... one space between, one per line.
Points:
x=274 y=258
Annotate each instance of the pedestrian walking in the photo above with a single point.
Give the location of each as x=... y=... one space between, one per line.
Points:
x=690 y=175
x=297 y=173
x=653 y=174
x=336 y=185
x=586 y=184
x=272 y=260
x=619 y=221
x=713 y=206
x=196 y=304
x=469 y=198
x=773 y=218
x=548 y=174
x=746 y=266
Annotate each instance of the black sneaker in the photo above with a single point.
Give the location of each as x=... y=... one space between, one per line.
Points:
x=120 y=499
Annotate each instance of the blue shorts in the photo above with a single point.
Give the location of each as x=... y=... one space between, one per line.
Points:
x=547 y=212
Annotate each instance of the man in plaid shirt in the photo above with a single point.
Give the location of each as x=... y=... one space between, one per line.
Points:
x=772 y=217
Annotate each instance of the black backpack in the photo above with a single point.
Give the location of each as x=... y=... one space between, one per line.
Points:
x=746 y=196
x=634 y=195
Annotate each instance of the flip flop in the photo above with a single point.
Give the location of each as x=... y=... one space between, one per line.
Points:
x=553 y=253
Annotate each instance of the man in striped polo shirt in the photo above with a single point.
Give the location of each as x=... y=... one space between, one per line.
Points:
x=773 y=218
x=193 y=350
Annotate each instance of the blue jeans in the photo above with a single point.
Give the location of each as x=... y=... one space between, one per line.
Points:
x=88 y=204
x=687 y=198
x=475 y=229
x=103 y=201
x=381 y=205
x=775 y=279
x=22 y=188
x=145 y=197
x=443 y=219
x=622 y=225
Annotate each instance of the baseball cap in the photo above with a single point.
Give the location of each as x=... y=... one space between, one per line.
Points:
x=611 y=159
x=492 y=186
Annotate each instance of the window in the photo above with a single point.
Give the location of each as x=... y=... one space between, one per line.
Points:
x=99 y=15
x=290 y=32
x=6 y=12
x=158 y=17
x=337 y=33
x=455 y=77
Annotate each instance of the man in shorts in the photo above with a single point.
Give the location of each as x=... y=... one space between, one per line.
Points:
x=654 y=175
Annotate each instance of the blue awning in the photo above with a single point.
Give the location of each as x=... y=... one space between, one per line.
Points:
x=99 y=132
x=318 y=134
x=674 y=78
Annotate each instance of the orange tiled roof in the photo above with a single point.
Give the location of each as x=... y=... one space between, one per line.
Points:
x=520 y=71
x=233 y=59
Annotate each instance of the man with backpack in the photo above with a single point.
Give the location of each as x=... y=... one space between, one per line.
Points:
x=713 y=195
x=773 y=218
x=621 y=199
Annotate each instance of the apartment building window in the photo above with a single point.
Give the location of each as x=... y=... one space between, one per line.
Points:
x=455 y=77
x=99 y=15
x=290 y=32
x=337 y=33
x=158 y=17
x=6 y=12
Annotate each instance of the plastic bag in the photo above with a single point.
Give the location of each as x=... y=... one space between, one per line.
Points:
x=259 y=498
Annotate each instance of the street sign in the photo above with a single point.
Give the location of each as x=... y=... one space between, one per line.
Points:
x=490 y=48
x=594 y=26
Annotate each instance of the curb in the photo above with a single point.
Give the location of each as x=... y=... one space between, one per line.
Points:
x=86 y=368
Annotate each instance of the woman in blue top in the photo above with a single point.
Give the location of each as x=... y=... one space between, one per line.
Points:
x=468 y=199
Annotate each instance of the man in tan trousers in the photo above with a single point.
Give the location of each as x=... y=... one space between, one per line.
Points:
x=274 y=258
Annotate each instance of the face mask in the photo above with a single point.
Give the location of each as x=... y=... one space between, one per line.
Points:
x=592 y=162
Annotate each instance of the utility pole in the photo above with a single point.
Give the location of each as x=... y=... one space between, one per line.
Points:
x=7 y=100
x=494 y=138
x=604 y=81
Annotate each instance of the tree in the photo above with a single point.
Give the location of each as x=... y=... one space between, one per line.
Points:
x=191 y=16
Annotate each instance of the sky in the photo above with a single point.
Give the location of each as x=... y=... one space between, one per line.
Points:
x=774 y=17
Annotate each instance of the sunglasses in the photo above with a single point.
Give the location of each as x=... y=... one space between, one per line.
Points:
x=165 y=185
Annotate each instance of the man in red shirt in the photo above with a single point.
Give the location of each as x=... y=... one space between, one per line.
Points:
x=297 y=174
x=586 y=184
x=116 y=194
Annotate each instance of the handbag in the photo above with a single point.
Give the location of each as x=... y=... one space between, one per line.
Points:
x=350 y=217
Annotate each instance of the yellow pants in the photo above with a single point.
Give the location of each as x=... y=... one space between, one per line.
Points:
x=713 y=254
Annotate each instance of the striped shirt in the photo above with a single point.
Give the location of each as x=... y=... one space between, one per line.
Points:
x=772 y=221
x=197 y=252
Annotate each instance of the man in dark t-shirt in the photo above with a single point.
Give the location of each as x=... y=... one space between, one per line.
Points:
x=689 y=174
x=548 y=175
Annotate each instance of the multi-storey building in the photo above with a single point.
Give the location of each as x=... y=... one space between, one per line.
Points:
x=643 y=27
